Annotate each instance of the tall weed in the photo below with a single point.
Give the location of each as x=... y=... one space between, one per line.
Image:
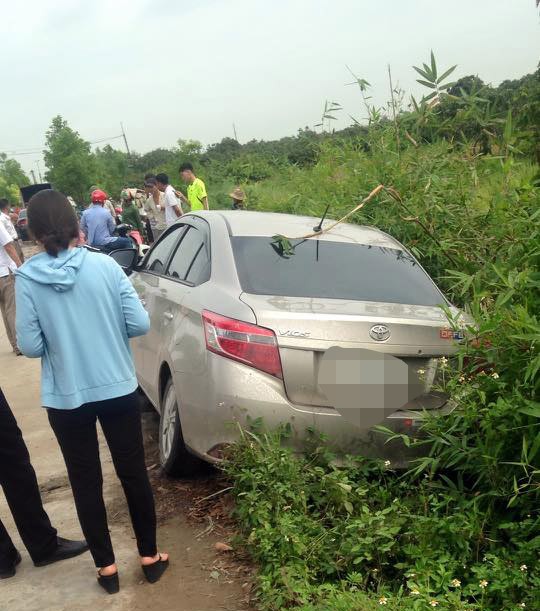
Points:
x=460 y=529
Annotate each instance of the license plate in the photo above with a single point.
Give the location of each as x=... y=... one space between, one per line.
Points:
x=451 y=334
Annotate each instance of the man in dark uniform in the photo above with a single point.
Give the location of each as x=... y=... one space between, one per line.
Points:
x=18 y=479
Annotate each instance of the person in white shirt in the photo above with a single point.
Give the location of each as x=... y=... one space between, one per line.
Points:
x=6 y=221
x=154 y=207
x=173 y=209
x=9 y=262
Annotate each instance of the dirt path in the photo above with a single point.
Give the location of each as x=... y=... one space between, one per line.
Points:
x=200 y=578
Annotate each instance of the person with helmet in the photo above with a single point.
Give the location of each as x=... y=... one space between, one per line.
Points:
x=98 y=225
x=108 y=205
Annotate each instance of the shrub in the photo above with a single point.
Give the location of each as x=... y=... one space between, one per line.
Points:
x=461 y=528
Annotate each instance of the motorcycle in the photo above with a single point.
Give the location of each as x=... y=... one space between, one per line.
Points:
x=127 y=258
x=124 y=230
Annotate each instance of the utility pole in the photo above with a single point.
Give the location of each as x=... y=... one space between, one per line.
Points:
x=33 y=176
x=125 y=139
x=234 y=131
x=39 y=171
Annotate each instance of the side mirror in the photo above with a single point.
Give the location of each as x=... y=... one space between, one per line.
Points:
x=127 y=258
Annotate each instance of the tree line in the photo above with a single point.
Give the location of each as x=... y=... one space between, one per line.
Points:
x=469 y=111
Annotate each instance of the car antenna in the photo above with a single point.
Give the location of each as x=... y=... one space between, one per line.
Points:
x=318 y=228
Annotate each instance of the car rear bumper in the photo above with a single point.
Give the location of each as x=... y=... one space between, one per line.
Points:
x=230 y=396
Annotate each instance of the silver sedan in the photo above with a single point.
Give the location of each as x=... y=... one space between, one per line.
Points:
x=241 y=325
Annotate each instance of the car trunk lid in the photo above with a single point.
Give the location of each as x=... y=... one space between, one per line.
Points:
x=307 y=327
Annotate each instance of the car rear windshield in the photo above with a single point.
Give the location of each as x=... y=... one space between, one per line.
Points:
x=320 y=268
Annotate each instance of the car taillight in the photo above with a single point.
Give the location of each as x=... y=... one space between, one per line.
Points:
x=242 y=341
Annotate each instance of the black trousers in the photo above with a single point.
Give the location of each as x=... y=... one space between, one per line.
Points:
x=18 y=480
x=76 y=432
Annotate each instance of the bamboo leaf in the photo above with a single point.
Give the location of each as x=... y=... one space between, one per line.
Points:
x=421 y=72
x=533 y=410
x=534 y=448
x=433 y=65
x=426 y=83
x=504 y=298
x=446 y=74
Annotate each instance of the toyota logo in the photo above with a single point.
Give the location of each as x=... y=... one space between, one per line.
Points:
x=379 y=333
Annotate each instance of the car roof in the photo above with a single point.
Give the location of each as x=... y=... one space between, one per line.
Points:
x=268 y=224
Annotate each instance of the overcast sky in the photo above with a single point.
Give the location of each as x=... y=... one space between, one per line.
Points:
x=174 y=69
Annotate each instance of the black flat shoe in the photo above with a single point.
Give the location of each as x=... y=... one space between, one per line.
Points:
x=154 y=571
x=10 y=572
x=65 y=549
x=110 y=583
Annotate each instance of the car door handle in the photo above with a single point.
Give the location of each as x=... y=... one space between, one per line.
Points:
x=168 y=315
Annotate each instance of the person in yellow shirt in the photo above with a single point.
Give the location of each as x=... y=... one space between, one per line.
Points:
x=197 y=197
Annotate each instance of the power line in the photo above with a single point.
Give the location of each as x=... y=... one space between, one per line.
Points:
x=33 y=151
x=105 y=139
x=27 y=149
x=19 y=154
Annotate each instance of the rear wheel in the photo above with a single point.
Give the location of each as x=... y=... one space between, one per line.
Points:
x=174 y=456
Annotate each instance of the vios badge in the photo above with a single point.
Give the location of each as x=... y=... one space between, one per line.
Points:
x=379 y=333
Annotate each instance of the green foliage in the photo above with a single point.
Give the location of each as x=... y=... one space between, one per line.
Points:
x=474 y=115
x=112 y=169
x=12 y=172
x=433 y=80
x=461 y=528
x=11 y=178
x=251 y=168
x=468 y=115
x=9 y=191
x=359 y=535
x=329 y=114
x=70 y=163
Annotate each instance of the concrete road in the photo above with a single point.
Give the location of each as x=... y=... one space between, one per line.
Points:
x=70 y=585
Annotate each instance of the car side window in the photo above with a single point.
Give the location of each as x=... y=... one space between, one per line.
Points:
x=199 y=270
x=191 y=262
x=159 y=255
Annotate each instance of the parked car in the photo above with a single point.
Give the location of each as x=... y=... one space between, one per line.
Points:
x=22 y=225
x=239 y=330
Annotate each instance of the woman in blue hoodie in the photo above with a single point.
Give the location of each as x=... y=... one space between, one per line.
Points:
x=76 y=310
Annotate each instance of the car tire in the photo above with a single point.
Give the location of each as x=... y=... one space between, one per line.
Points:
x=174 y=456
